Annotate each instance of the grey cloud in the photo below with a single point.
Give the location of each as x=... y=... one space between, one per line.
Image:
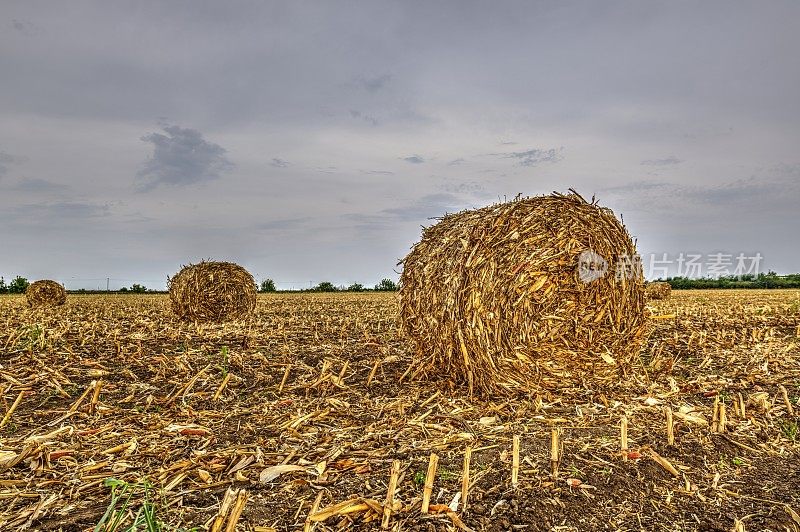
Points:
x=444 y=58
x=279 y=163
x=57 y=213
x=373 y=84
x=283 y=224
x=784 y=170
x=366 y=221
x=426 y=207
x=413 y=159
x=437 y=80
x=5 y=160
x=182 y=157
x=365 y=117
x=637 y=187
x=420 y=210
x=377 y=172
x=22 y=26
x=33 y=184
x=667 y=161
x=753 y=193
x=467 y=187
x=326 y=169
x=533 y=156
x=456 y=162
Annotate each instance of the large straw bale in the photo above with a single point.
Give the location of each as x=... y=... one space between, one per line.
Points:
x=537 y=293
x=212 y=292
x=657 y=290
x=45 y=293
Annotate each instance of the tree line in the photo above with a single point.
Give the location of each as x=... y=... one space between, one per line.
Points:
x=385 y=285
x=762 y=280
x=19 y=284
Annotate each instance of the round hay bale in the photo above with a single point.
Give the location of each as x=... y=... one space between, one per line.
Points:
x=45 y=293
x=212 y=292
x=657 y=290
x=538 y=293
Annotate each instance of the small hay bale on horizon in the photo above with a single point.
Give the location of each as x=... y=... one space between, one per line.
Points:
x=212 y=291
x=45 y=293
x=657 y=290
x=538 y=293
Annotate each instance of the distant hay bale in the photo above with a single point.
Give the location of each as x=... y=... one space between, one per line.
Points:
x=657 y=290
x=212 y=292
x=538 y=293
x=45 y=293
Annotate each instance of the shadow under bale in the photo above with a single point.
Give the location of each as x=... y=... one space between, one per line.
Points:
x=538 y=293
x=45 y=293
x=212 y=292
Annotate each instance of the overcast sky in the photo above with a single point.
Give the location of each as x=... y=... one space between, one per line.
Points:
x=309 y=141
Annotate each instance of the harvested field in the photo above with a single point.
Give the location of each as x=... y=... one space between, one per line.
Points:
x=296 y=418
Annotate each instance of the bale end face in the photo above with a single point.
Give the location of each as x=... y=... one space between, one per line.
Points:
x=212 y=292
x=45 y=293
x=538 y=293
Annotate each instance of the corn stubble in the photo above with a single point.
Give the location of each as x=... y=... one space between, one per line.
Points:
x=493 y=298
x=293 y=418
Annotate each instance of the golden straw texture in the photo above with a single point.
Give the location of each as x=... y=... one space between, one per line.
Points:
x=657 y=290
x=212 y=292
x=538 y=293
x=45 y=293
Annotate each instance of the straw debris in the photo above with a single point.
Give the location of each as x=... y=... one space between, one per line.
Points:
x=540 y=292
x=212 y=292
x=45 y=293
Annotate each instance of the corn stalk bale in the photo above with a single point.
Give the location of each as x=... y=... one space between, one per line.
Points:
x=537 y=293
x=657 y=290
x=212 y=292
x=45 y=293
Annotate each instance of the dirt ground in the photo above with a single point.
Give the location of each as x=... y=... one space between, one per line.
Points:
x=293 y=419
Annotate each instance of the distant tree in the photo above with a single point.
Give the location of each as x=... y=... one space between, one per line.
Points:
x=3 y=287
x=138 y=289
x=123 y=289
x=18 y=285
x=325 y=286
x=386 y=285
x=268 y=285
x=355 y=287
x=762 y=280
